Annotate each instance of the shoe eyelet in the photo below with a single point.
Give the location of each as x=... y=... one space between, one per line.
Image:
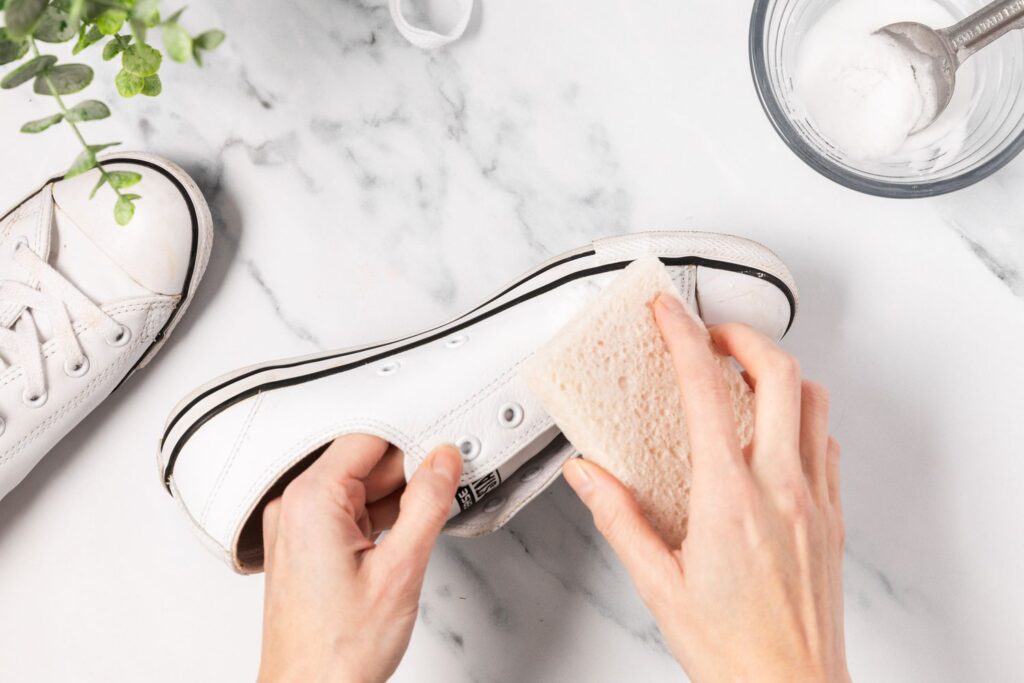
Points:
x=456 y=341
x=77 y=370
x=530 y=473
x=34 y=401
x=389 y=368
x=494 y=503
x=469 y=447
x=121 y=338
x=510 y=415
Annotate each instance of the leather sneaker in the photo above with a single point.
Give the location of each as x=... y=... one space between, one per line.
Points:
x=233 y=444
x=85 y=302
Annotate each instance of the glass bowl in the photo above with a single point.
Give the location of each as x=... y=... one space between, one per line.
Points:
x=988 y=131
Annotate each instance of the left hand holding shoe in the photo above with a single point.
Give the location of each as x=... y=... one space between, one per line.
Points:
x=339 y=607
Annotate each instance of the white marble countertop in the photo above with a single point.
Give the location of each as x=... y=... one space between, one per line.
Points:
x=352 y=174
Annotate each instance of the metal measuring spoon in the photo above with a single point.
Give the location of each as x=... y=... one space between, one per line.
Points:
x=942 y=51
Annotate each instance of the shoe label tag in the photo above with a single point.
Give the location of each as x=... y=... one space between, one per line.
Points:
x=470 y=494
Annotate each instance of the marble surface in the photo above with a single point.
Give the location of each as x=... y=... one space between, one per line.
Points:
x=364 y=189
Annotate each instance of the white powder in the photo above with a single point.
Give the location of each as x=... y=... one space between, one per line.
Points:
x=863 y=91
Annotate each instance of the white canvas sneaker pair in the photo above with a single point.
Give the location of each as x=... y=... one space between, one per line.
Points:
x=235 y=443
x=85 y=302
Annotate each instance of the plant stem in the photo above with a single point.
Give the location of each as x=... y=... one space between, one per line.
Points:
x=74 y=127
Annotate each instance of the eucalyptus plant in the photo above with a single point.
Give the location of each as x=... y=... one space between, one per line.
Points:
x=123 y=27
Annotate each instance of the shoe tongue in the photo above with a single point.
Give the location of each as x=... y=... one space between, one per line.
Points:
x=30 y=223
x=52 y=234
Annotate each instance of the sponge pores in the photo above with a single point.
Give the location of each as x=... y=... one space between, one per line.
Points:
x=608 y=382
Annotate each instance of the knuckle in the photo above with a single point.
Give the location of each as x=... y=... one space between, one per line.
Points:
x=834 y=448
x=609 y=521
x=784 y=368
x=816 y=395
x=428 y=507
x=272 y=510
x=840 y=526
x=796 y=503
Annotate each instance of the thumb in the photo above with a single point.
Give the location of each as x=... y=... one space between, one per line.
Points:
x=648 y=559
x=423 y=510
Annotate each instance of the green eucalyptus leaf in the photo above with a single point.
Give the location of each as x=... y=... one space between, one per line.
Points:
x=11 y=50
x=114 y=47
x=22 y=16
x=90 y=110
x=27 y=71
x=124 y=209
x=98 y=185
x=147 y=11
x=152 y=86
x=173 y=19
x=111 y=21
x=141 y=60
x=177 y=41
x=64 y=78
x=55 y=26
x=39 y=125
x=123 y=179
x=96 y=149
x=128 y=84
x=87 y=38
x=86 y=161
x=210 y=40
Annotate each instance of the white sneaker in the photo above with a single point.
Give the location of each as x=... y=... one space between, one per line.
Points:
x=233 y=444
x=85 y=302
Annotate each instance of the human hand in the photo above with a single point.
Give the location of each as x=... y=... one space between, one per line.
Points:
x=338 y=607
x=755 y=591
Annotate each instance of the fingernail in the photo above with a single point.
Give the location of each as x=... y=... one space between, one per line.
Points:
x=669 y=304
x=446 y=462
x=579 y=478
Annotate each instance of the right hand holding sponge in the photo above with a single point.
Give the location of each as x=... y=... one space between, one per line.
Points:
x=608 y=381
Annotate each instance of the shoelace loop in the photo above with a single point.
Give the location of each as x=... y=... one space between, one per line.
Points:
x=58 y=300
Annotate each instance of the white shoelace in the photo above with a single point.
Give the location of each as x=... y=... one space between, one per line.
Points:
x=57 y=300
x=426 y=38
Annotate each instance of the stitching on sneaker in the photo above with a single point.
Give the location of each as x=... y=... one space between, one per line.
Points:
x=240 y=440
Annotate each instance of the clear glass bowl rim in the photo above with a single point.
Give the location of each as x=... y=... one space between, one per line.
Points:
x=833 y=171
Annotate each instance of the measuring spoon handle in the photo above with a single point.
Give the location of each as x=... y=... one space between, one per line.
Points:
x=984 y=26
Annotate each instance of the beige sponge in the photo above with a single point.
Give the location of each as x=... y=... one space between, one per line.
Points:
x=608 y=381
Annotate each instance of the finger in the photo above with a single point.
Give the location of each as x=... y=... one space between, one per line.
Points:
x=618 y=517
x=387 y=476
x=776 y=377
x=423 y=510
x=352 y=456
x=383 y=513
x=706 y=400
x=814 y=437
x=832 y=476
x=271 y=513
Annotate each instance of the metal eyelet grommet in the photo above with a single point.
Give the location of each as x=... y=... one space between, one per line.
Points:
x=510 y=415
x=389 y=368
x=77 y=370
x=121 y=338
x=456 y=341
x=34 y=401
x=530 y=473
x=494 y=503
x=3 y=426
x=469 y=447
